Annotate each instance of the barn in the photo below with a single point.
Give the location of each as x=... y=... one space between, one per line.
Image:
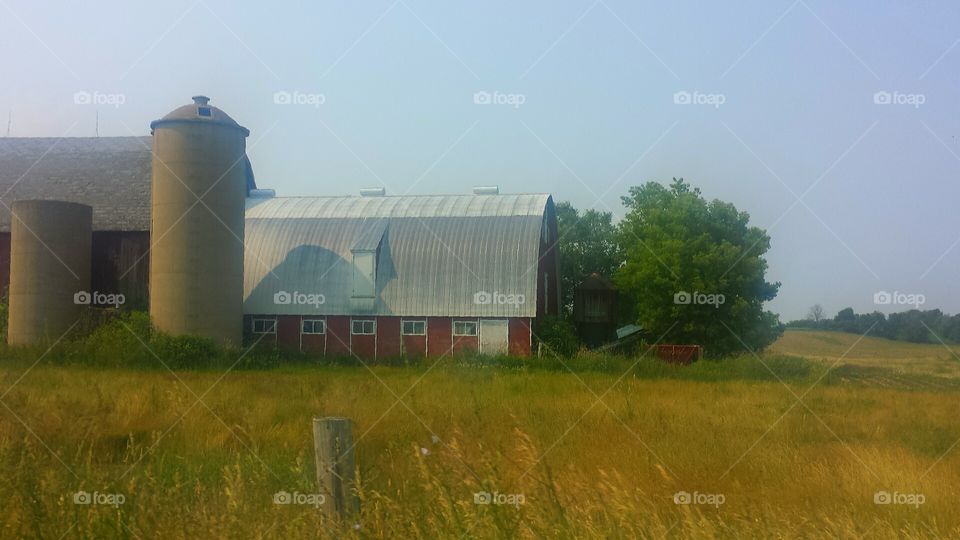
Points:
x=381 y=276
x=372 y=275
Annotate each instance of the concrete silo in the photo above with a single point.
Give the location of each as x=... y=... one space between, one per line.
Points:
x=199 y=187
x=49 y=269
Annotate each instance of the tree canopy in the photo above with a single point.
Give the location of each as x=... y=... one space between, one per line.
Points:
x=695 y=270
x=588 y=244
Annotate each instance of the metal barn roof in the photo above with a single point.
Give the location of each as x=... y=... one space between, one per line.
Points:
x=110 y=174
x=449 y=255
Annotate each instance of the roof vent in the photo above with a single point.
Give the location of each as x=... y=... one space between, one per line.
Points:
x=200 y=100
x=373 y=191
x=486 y=190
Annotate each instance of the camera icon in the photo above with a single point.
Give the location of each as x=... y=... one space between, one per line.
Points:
x=482 y=98
x=81 y=497
x=882 y=298
x=282 y=97
x=82 y=298
x=282 y=497
x=82 y=98
x=882 y=98
x=682 y=298
x=682 y=98
x=282 y=298
x=882 y=497
x=482 y=497
x=682 y=497
x=482 y=298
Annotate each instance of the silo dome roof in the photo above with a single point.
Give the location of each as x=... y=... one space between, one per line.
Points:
x=199 y=111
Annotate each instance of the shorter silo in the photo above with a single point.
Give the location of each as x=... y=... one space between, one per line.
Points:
x=49 y=269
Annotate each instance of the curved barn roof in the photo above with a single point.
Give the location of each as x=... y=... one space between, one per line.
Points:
x=434 y=254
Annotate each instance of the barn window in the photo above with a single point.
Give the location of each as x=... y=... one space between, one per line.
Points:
x=464 y=328
x=264 y=326
x=414 y=328
x=363 y=327
x=364 y=274
x=313 y=326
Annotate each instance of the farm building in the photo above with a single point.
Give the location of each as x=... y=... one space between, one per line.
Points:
x=595 y=310
x=375 y=276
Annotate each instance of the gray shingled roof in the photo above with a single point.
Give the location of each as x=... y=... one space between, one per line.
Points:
x=111 y=174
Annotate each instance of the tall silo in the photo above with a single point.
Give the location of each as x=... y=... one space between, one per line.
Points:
x=199 y=187
x=49 y=269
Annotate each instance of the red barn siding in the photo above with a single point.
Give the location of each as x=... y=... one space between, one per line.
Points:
x=463 y=344
x=314 y=344
x=414 y=346
x=288 y=332
x=388 y=337
x=365 y=346
x=439 y=334
x=520 y=333
x=338 y=335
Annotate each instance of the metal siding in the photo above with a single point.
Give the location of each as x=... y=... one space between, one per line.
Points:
x=437 y=252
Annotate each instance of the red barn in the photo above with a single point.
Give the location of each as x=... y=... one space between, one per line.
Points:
x=379 y=277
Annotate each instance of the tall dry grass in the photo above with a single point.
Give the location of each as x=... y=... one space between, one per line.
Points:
x=584 y=468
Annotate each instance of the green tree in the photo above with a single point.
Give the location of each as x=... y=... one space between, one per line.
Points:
x=681 y=249
x=588 y=244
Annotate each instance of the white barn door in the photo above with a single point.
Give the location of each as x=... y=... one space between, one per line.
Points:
x=494 y=336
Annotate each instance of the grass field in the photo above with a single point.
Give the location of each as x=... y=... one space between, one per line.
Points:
x=590 y=454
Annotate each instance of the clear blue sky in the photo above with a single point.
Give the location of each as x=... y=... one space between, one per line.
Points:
x=597 y=80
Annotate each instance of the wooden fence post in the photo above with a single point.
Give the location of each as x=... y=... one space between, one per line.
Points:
x=336 y=475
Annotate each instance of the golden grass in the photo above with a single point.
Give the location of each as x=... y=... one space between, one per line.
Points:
x=586 y=469
x=900 y=356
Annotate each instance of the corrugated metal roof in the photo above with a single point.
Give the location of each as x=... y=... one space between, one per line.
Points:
x=450 y=255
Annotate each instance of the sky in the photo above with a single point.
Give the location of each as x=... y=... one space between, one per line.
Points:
x=834 y=126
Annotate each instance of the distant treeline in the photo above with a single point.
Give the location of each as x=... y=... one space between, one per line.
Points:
x=931 y=326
